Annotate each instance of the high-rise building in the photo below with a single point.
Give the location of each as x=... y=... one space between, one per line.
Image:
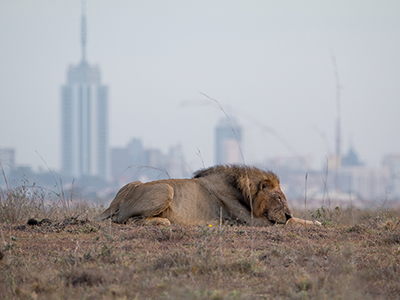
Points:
x=228 y=142
x=84 y=119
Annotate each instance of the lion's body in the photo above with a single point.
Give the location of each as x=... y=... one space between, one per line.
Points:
x=216 y=194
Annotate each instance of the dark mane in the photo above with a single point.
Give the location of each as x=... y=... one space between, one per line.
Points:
x=235 y=171
x=209 y=171
x=216 y=169
x=245 y=179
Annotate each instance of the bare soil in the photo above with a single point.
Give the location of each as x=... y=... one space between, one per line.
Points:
x=81 y=259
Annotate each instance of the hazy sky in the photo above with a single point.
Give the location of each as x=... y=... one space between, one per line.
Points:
x=270 y=61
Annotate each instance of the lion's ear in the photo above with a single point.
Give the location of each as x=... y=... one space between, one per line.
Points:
x=267 y=184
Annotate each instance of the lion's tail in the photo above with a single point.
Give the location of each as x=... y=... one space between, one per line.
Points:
x=120 y=198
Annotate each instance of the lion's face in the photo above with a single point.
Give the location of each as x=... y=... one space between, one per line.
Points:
x=271 y=203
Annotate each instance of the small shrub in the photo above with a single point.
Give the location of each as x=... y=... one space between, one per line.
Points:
x=327 y=216
x=83 y=277
x=175 y=259
x=304 y=283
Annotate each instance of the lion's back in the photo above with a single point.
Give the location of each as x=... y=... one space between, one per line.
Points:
x=192 y=203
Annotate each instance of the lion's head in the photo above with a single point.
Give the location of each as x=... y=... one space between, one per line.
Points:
x=270 y=202
x=260 y=190
x=266 y=195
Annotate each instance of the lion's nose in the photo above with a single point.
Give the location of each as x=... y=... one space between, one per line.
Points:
x=288 y=217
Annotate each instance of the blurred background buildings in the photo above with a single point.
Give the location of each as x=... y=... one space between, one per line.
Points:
x=228 y=141
x=350 y=183
x=91 y=170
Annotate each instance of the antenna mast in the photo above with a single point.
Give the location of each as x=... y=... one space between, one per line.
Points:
x=83 y=31
x=338 y=127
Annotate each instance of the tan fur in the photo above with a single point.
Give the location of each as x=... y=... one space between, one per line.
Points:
x=233 y=193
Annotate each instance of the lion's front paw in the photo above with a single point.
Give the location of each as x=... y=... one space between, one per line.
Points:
x=300 y=222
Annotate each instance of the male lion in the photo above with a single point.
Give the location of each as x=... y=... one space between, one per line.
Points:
x=229 y=193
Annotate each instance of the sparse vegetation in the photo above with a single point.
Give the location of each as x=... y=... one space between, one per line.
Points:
x=67 y=256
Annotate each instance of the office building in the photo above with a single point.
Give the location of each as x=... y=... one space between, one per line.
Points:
x=84 y=119
x=228 y=141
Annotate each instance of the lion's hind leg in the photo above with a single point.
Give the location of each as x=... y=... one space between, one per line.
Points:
x=147 y=201
x=124 y=193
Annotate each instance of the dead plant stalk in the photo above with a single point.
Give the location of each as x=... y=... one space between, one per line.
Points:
x=243 y=161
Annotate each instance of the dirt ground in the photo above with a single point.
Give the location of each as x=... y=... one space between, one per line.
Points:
x=81 y=259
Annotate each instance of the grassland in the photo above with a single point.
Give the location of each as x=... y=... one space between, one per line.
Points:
x=354 y=255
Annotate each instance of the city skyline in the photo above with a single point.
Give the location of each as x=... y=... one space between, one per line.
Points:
x=354 y=183
x=272 y=64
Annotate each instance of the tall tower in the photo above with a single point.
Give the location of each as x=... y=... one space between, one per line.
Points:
x=228 y=140
x=338 y=150
x=84 y=121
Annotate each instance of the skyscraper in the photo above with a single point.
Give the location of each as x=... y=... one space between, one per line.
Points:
x=228 y=142
x=84 y=119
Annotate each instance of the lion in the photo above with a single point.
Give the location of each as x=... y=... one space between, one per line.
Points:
x=233 y=193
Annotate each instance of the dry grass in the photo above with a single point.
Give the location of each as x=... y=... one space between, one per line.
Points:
x=74 y=258
x=18 y=204
x=356 y=254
